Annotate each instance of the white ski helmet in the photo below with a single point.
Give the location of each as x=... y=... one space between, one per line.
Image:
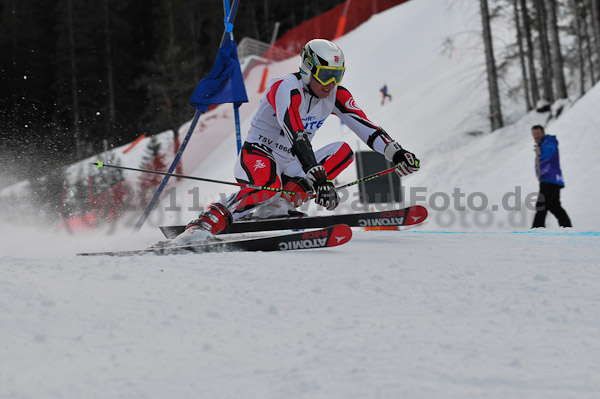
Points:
x=322 y=59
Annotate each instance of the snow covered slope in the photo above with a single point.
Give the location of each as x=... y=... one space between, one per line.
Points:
x=458 y=313
x=388 y=315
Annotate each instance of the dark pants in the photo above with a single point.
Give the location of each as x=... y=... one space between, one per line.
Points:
x=549 y=200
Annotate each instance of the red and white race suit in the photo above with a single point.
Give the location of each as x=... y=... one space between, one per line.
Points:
x=289 y=109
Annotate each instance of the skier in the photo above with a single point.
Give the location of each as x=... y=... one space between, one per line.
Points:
x=385 y=94
x=278 y=153
x=547 y=168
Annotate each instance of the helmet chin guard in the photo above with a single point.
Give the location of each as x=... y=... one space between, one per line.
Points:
x=321 y=58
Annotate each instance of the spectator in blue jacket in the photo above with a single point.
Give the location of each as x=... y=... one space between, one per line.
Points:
x=547 y=168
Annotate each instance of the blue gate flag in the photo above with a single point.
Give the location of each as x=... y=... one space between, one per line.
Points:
x=224 y=83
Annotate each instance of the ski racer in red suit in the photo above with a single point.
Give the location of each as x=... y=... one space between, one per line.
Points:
x=278 y=153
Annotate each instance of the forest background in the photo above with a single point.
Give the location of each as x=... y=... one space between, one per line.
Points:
x=79 y=76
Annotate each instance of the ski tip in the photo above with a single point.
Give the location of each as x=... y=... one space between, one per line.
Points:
x=416 y=214
x=98 y=164
x=340 y=234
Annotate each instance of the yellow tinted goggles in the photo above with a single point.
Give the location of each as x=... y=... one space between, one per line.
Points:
x=327 y=74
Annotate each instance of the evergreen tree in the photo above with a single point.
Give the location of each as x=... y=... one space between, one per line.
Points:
x=152 y=160
x=104 y=185
x=45 y=198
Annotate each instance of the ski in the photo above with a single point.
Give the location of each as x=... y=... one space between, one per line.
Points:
x=400 y=217
x=323 y=238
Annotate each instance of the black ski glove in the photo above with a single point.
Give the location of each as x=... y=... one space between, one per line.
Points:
x=325 y=192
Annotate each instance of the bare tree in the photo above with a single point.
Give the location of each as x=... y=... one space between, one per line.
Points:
x=492 y=76
x=587 y=34
x=579 y=39
x=535 y=91
x=545 y=50
x=595 y=6
x=557 y=63
x=522 y=56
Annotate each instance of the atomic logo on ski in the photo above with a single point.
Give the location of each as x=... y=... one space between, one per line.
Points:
x=303 y=244
x=339 y=239
x=319 y=239
x=390 y=218
x=417 y=214
x=381 y=222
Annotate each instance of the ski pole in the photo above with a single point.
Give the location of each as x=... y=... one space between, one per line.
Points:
x=384 y=172
x=370 y=177
x=99 y=164
x=367 y=178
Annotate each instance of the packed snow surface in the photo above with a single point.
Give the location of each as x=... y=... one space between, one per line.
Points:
x=388 y=315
